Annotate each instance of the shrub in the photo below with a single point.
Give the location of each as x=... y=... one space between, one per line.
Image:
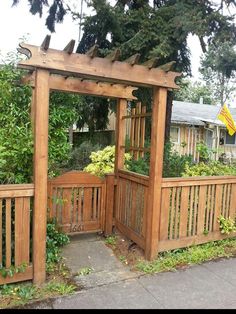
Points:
x=173 y=163
x=79 y=157
x=16 y=150
x=102 y=161
x=213 y=168
x=140 y=166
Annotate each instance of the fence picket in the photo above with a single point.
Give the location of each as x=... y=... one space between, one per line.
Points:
x=8 y=232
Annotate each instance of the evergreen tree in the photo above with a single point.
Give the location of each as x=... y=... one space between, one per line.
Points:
x=157 y=28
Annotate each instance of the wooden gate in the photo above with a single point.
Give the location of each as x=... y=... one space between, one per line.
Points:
x=77 y=201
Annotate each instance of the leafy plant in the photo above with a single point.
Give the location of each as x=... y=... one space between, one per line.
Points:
x=227 y=225
x=55 y=240
x=16 y=151
x=79 y=157
x=203 y=150
x=102 y=161
x=213 y=168
x=173 y=163
x=140 y=166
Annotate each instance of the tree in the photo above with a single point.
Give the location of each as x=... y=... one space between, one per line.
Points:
x=193 y=92
x=218 y=68
x=157 y=30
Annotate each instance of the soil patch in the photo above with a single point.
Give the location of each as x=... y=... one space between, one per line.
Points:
x=126 y=250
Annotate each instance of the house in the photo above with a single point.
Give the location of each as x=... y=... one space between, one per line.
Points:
x=192 y=123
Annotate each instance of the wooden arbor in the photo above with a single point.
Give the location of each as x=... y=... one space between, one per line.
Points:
x=51 y=69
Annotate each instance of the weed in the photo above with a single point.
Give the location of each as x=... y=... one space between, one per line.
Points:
x=59 y=287
x=227 y=225
x=111 y=240
x=84 y=271
x=193 y=255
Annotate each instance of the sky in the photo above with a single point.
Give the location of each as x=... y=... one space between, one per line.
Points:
x=19 y=23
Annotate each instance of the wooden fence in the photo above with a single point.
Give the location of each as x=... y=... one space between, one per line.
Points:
x=15 y=233
x=131 y=201
x=191 y=207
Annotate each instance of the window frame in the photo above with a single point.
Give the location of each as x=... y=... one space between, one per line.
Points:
x=225 y=137
x=178 y=128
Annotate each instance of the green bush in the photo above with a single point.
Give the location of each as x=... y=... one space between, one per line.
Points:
x=140 y=166
x=55 y=240
x=79 y=157
x=16 y=147
x=102 y=161
x=213 y=168
x=173 y=163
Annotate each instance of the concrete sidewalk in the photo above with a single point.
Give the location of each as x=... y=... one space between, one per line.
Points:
x=111 y=285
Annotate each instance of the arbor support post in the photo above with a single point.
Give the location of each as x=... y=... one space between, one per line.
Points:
x=155 y=174
x=41 y=113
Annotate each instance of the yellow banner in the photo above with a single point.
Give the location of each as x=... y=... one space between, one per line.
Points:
x=226 y=117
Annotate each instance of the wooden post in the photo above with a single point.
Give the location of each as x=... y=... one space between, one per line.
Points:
x=120 y=134
x=41 y=108
x=155 y=177
x=109 y=203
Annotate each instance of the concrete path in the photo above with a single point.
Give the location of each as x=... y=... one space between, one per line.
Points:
x=111 y=285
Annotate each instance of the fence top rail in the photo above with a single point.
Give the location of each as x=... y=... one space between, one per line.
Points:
x=16 y=187
x=133 y=176
x=16 y=190
x=208 y=180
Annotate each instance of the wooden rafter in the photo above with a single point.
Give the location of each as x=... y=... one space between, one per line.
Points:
x=102 y=69
x=167 y=66
x=70 y=47
x=92 y=52
x=114 y=55
x=134 y=59
x=76 y=85
x=45 y=44
x=151 y=63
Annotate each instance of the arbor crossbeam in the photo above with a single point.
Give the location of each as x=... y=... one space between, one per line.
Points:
x=102 y=69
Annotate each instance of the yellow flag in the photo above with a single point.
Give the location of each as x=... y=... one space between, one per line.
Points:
x=226 y=117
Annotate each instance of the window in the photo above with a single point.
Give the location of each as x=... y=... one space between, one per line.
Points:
x=175 y=134
x=229 y=140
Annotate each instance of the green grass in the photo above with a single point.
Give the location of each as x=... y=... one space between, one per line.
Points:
x=198 y=254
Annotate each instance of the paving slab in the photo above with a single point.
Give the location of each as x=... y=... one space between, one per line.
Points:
x=223 y=268
x=123 y=295
x=193 y=288
x=92 y=253
x=104 y=277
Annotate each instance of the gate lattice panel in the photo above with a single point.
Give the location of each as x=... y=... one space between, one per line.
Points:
x=77 y=201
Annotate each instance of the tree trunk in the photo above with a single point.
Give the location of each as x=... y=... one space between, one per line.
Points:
x=168 y=115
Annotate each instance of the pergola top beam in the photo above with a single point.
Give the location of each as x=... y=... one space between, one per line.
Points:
x=75 y=85
x=101 y=69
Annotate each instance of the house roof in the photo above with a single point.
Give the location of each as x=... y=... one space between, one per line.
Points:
x=196 y=114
